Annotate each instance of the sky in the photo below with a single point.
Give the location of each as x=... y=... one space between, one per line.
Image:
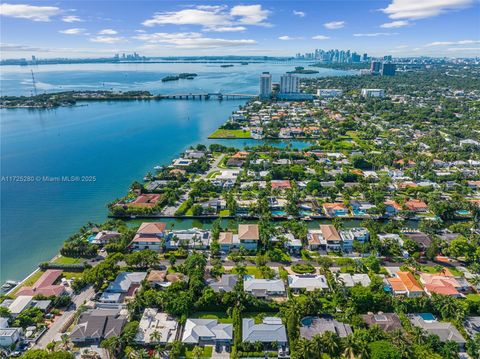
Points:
x=96 y=28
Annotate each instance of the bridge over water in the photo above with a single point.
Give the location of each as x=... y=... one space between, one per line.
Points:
x=207 y=96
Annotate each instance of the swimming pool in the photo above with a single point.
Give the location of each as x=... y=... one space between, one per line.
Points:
x=428 y=317
x=462 y=212
x=307 y=321
x=279 y=213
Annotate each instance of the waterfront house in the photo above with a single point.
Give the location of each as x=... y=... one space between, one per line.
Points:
x=360 y=208
x=386 y=321
x=315 y=239
x=421 y=239
x=270 y=331
x=145 y=200
x=347 y=241
x=156 y=328
x=207 y=332
x=416 y=205
x=360 y=234
x=95 y=325
x=332 y=237
x=292 y=244
x=404 y=283
x=248 y=236
x=17 y=305
x=335 y=210
x=228 y=241
x=308 y=282
x=45 y=285
x=264 y=288
x=312 y=326
x=103 y=237
x=150 y=235
x=444 y=330
x=392 y=208
x=193 y=238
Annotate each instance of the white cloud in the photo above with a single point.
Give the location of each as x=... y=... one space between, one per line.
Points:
x=107 y=32
x=190 y=40
x=395 y=24
x=226 y=29
x=320 y=37
x=212 y=18
x=108 y=39
x=29 y=12
x=251 y=14
x=474 y=49
x=450 y=43
x=333 y=25
x=416 y=9
x=375 y=34
x=299 y=13
x=287 y=38
x=71 y=18
x=74 y=31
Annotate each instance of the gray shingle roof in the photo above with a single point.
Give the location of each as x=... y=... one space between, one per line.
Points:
x=271 y=330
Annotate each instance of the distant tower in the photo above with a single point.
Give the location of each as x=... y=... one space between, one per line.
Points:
x=33 y=83
x=375 y=67
x=265 y=85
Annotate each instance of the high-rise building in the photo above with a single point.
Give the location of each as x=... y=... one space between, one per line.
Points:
x=375 y=67
x=388 y=69
x=265 y=85
x=289 y=83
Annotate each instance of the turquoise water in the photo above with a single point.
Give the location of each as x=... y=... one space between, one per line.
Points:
x=116 y=142
x=427 y=316
x=307 y=321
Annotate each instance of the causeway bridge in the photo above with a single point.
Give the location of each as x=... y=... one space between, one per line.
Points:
x=206 y=96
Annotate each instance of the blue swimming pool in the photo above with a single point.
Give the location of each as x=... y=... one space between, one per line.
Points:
x=307 y=321
x=91 y=238
x=462 y=212
x=427 y=316
x=279 y=213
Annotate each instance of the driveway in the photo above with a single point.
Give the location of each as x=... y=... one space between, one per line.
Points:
x=53 y=333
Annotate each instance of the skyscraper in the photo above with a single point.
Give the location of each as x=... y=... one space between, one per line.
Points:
x=375 y=67
x=265 y=85
x=388 y=69
x=289 y=83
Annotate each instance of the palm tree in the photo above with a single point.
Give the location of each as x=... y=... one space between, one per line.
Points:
x=318 y=345
x=197 y=352
x=65 y=341
x=155 y=336
x=450 y=350
x=332 y=344
x=349 y=347
x=304 y=349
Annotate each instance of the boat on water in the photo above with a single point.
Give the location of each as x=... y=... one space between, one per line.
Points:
x=9 y=284
x=157 y=168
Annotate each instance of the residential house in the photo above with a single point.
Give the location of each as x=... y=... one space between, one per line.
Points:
x=404 y=283
x=150 y=235
x=360 y=234
x=189 y=238
x=264 y=288
x=95 y=325
x=335 y=209
x=392 y=208
x=270 y=331
x=332 y=237
x=440 y=284
x=248 y=236
x=350 y=280
x=145 y=200
x=207 y=331
x=162 y=279
x=360 y=208
x=308 y=282
x=126 y=283
x=444 y=330
x=315 y=239
x=386 y=321
x=228 y=241
x=281 y=184
x=421 y=239
x=472 y=325
x=347 y=241
x=18 y=305
x=312 y=326
x=103 y=237
x=9 y=336
x=45 y=285
x=226 y=283
x=416 y=205
x=156 y=328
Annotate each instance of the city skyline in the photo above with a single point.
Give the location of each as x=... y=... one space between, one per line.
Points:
x=93 y=29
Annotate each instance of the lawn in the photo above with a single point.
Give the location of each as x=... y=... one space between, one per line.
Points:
x=29 y=282
x=220 y=316
x=213 y=174
x=68 y=260
x=258 y=316
x=224 y=213
x=221 y=133
x=473 y=298
x=207 y=352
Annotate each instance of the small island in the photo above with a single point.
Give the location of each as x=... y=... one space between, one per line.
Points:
x=301 y=70
x=183 y=75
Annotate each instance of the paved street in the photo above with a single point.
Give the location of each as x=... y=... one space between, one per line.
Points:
x=54 y=332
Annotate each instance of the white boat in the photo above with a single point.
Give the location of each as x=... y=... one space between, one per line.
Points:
x=157 y=168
